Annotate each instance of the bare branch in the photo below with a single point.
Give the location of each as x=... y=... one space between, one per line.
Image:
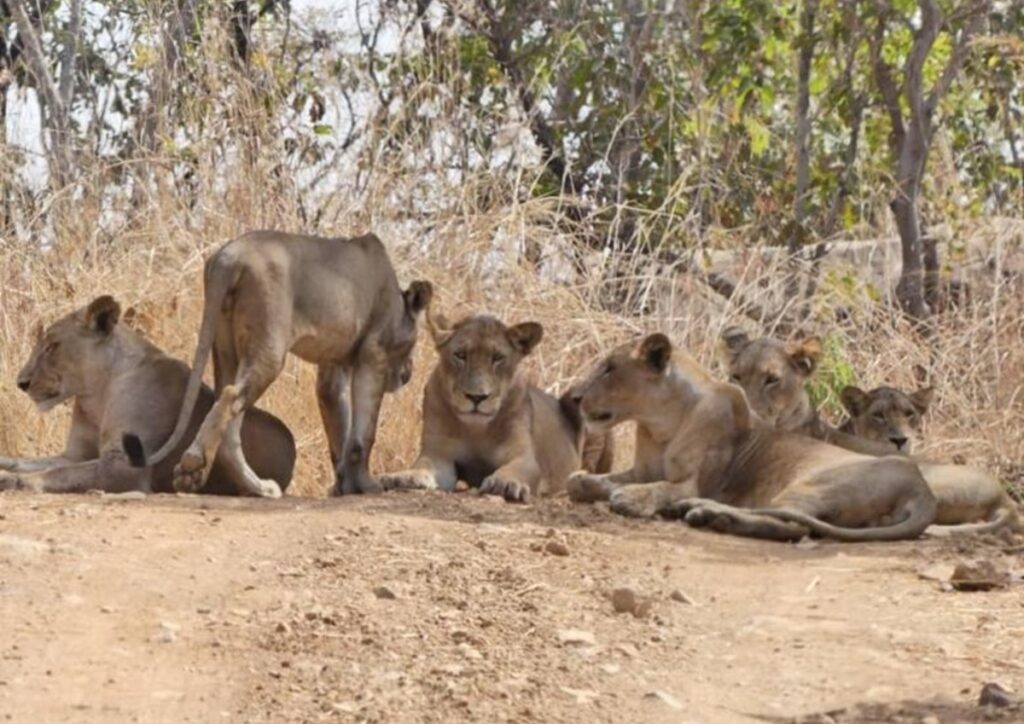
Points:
x=975 y=16
x=69 y=58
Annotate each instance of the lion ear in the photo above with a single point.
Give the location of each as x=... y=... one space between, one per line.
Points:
x=439 y=327
x=854 y=399
x=656 y=351
x=418 y=296
x=102 y=314
x=524 y=337
x=734 y=340
x=805 y=355
x=922 y=399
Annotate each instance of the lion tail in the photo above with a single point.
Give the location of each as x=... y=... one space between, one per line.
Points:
x=220 y=278
x=1006 y=516
x=921 y=515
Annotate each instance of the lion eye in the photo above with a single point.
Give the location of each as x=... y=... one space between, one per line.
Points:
x=770 y=380
x=497 y=358
x=608 y=369
x=52 y=347
x=735 y=378
x=878 y=417
x=460 y=356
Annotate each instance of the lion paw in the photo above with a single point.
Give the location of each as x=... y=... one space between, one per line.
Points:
x=409 y=480
x=586 y=487
x=11 y=482
x=513 y=491
x=190 y=472
x=268 y=489
x=635 y=501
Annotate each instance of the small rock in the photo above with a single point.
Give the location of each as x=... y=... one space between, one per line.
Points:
x=168 y=632
x=623 y=600
x=628 y=650
x=680 y=597
x=576 y=637
x=283 y=628
x=557 y=548
x=582 y=696
x=665 y=698
x=385 y=593
x=107 y=609
x=983 y=575
x=992 y=694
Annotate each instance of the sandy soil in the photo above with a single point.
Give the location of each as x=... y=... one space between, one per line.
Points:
x=435 y=608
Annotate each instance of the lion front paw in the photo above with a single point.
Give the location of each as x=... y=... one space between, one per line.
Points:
x=409 y=480
x=513 y=491
x=636 y=501
x=586 y=487
x=9 y=481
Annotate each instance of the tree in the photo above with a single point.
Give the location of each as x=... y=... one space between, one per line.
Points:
x=911 y=106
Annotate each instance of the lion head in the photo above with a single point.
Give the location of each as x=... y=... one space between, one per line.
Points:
x=886 y=414
x=479 y=357
x=58 y=367
x=772 y=373
x=624 y=383
x=402 y=341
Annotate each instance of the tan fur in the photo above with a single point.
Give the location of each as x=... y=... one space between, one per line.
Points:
x=120 y=383
x=333 y=302
x=483 y=424
x=884 y=421
x=697 y=437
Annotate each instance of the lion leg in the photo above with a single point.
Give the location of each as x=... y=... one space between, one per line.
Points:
x=706 y=513
x=246 y=481
x=353 y=474
x=332 y=396
x=111 y=473
x=192 y=471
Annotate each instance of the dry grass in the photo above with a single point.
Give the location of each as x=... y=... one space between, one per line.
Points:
x=472 y=253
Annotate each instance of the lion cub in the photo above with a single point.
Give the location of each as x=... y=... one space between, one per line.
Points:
x=483 y=424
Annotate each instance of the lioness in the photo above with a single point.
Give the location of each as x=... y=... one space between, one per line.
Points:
x=885 y=414
x=698 y=437
x=482 y=423
x=884 y=421
x=121 y=383
x=333 y=302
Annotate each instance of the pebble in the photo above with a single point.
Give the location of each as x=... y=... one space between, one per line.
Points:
x=625 y=600
x=680 y=597
x=557 y=548
x=385 y=593
x=576 y=637
x=982 y=575
x=992 y=694
x=665 y=698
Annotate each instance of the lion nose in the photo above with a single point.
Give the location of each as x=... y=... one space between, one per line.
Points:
x=476 y=399
x=899 y=442
x=23 y=385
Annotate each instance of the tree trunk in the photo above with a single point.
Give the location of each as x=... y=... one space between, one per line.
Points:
x=803 y=124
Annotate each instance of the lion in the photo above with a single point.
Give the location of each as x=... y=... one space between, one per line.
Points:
x=483 y=424
x=884 y=421
x=334 y=302
x=703 y=454
x=885 y=414
x=122 y=384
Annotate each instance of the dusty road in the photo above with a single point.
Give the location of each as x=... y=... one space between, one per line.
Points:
x=460 y=608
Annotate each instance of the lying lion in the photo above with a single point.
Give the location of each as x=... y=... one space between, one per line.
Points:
x=483 y=424
x=883 y=421
x=333 y=302
x=121 y=383
x=697 y=437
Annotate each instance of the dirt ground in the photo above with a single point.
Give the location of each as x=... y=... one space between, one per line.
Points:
x=433 y=608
